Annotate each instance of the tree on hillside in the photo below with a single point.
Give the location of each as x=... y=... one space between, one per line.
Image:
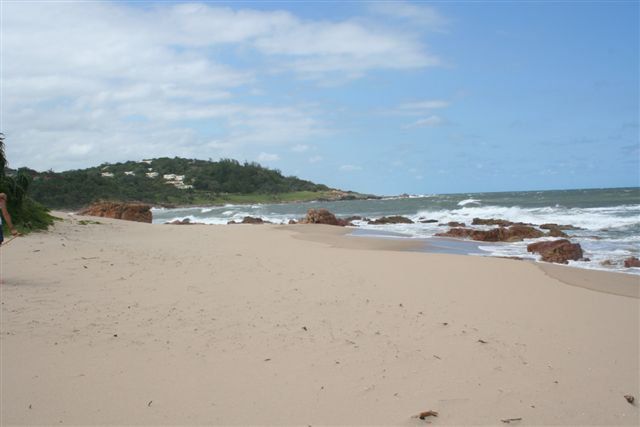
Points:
x=23 y=210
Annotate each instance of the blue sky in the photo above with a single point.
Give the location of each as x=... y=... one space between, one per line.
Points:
x=380 y=97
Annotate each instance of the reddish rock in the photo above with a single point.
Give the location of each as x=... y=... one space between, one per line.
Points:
x=515 y=233
x=456 y=224
x=459 y=233
x=321 y=216
x=559 y=227
x=558 y=251
x=632 y=262
x=252 y=220
x=556 y=232
x=139 y=212
x=396 y=219
x=428 y=221
x=491 y=221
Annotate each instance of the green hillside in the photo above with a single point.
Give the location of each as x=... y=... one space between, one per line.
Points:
x=177 y=181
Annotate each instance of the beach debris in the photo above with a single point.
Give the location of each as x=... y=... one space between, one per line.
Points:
x=437 y=357
x=267 y=360
x=629 y=398
x=558 y=251
x=30 y=406
x=482 y=341
x=150 y=402
x=395 y=219
x=425 y=414
x=305 y=328
x=510 y=420
x=445 y=323
x=115 y=335
x=632 y=262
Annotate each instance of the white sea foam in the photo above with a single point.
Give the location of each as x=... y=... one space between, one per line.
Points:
x=469 y=202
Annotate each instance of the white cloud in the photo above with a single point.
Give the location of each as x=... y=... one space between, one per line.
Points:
x=350 y=168
x=425 y=16
x=87 y=82
x=315 y=159
x=267 y=157
x=431 y=121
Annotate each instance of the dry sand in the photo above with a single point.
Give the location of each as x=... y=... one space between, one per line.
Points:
x=128 y=323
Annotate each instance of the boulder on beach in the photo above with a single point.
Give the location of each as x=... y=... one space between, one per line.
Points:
x=322 y=216
x=395 y=219
x=632 y=262
x=249 y=220
x=428 y=221
x=558 y=251
x=139 y=212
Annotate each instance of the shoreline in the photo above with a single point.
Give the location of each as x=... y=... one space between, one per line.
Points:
x=134 y=323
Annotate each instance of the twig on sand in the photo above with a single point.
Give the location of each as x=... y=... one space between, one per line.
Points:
x=425 y=414
x=629 y=398
x=482 y=341
x=508 y=420
x=150 y=402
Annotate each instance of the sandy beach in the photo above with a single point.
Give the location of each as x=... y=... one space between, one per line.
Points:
x=131 y=323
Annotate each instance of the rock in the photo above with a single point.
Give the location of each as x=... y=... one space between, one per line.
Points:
x=139 y=212
x=252 y=220
x=632 y=262
x=428 y=221
x=549 y=226
x=558 y=251
x=459 y=233
x=321 y=216
x=185 y=221
x=556 y=232
x=515 y=233
x=395 y=219
x=456 y=224
x=292 y=222
x=491 y=221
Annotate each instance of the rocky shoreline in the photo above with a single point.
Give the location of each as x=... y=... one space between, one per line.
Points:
x=559 y=251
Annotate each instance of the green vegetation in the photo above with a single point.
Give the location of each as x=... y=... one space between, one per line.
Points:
x=198 y=182
x=26 y=214
x=87 y=222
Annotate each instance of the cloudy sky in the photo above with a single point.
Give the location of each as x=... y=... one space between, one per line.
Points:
x=382 y=97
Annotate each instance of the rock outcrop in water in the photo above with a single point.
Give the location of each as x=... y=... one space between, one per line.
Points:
x=395 y=219
x=558 y=251
x=249 y=220
x=559 y=227
x=632 y=262
x=515 y=233
x=139 y=212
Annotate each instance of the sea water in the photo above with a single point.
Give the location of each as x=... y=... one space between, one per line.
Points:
x=609 y=219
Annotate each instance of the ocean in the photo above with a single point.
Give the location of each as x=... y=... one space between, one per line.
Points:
x=608 y=218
